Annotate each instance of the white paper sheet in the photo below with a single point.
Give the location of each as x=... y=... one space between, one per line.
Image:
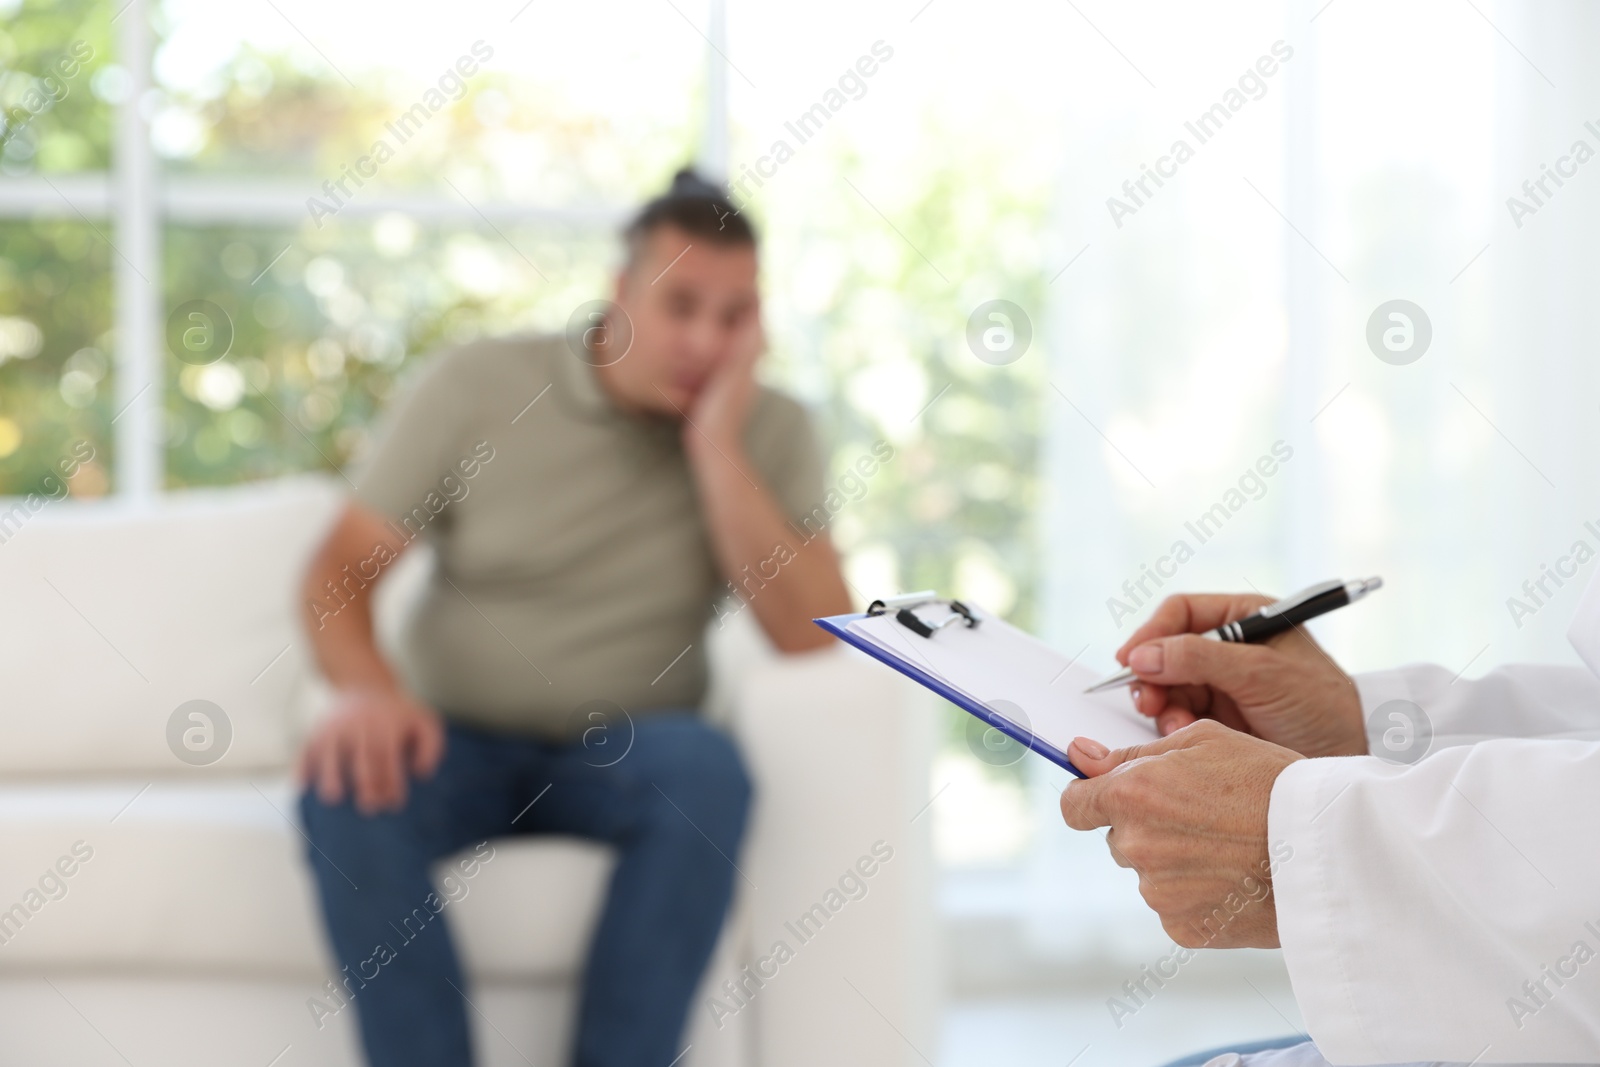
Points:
x=1016 y=675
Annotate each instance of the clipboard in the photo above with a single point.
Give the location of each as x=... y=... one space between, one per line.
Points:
x=1005 y=677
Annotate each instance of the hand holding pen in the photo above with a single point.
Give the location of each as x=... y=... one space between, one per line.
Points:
x=1188 y=662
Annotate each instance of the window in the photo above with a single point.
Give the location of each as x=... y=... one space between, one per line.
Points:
x=234 y=226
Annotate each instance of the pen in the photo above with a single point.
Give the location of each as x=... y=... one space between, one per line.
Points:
x=1274 y=619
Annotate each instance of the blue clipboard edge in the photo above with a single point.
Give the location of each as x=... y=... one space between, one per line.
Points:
x=839 y=626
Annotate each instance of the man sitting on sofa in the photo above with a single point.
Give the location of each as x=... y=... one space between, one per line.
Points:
x=591 y=499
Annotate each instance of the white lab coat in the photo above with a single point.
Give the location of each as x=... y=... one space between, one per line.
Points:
x=1420 y=899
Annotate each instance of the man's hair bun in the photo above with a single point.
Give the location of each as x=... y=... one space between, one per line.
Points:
x=696 y=205
x=688 y=184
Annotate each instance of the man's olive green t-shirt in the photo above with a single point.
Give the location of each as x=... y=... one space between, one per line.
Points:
x=573 y=563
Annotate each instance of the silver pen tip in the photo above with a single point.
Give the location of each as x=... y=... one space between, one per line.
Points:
x=1120 y=678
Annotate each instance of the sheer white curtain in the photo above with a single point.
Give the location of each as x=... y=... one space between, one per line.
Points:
x=1231 y=313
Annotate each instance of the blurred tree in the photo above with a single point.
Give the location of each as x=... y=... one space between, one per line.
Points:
x=500 y=134
x=56 y=122
x=55 y=293
x=955 y=510
x=325 y=322
x=55 y=353
x=874 y=314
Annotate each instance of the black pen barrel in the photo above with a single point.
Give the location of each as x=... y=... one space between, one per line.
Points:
x=1254 y=629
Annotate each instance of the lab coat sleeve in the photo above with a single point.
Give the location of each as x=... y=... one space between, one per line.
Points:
x=1449 y=909
x=1521 y=700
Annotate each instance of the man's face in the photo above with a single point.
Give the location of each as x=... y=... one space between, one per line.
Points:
x=692 y=304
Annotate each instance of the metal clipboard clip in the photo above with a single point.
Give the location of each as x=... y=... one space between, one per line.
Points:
x=905 y=613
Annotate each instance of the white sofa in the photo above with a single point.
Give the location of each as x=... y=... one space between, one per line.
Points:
x=157 y=912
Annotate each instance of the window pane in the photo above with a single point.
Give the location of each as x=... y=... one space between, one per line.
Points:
x=543 y=109
x=323 y=323
x=57 y=82
x=56 y=374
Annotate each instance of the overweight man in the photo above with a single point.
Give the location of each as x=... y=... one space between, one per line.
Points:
x=1445 y=910
x=589 y=498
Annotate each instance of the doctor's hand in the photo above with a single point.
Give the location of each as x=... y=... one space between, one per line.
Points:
x=1287 y=691
x=1189 y=814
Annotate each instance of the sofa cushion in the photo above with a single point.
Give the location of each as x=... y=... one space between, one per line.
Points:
x=209 y=877
x=122 y=614
x=96 y=1020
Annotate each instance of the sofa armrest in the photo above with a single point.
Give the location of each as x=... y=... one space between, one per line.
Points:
x=839 y=902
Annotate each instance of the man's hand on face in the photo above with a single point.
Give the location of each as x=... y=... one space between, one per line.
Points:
x=1189 y=813
x=369 y=744
x=720 y=409
x=1287 y=691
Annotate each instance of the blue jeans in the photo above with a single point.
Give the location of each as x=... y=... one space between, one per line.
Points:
x=674 y=807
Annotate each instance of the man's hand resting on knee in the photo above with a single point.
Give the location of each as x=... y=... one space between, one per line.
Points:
x=370 y=744
x=1189 y=813
x=377 y=733
x=1287 y=691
